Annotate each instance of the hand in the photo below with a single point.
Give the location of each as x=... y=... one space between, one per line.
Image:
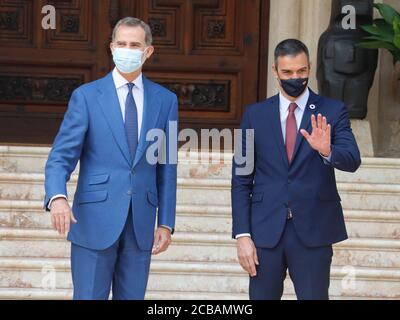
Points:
x=247 y=255
x=162 y=240
x=61 y=215
x=320 y=138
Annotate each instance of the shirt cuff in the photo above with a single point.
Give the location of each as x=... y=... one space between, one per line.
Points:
x=54 y=198
x=327 y=159
x=169 y=228
x=242 y=235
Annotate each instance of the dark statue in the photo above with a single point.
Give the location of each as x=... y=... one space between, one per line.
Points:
x=346 y=72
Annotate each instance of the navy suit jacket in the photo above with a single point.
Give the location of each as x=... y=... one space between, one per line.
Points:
x=260 y=199
x=109 y=179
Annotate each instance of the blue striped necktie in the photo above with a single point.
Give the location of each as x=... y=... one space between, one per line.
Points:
x=131 y=122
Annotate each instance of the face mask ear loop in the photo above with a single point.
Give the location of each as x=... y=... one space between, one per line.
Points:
x=143 y=55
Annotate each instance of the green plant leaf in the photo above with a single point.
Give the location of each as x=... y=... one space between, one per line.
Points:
x=388 y=13
x=378 y=38
x=396 y=41
x=396 y=26
x=371 y=29
x=382 y=24
x=376 y=45
x=381 y=34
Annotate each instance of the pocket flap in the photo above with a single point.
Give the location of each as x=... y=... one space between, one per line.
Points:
x=257 y=197
x=98 y=179
x=93 y=196
x=152 y=197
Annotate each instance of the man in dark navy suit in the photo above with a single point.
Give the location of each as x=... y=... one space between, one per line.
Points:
x=286 y=209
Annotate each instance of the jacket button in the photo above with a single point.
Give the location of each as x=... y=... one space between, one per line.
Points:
x=129 y=192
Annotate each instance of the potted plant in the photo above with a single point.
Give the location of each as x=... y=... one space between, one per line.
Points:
x=385 y=33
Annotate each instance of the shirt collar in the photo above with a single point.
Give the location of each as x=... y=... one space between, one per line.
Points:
x=300 y=101
x=120 y=81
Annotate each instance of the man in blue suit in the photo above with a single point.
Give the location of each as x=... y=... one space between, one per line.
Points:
x=112 y=221
x=286 y=208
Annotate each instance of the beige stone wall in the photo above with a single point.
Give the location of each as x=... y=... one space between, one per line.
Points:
x=307 y=20
x=389 y=103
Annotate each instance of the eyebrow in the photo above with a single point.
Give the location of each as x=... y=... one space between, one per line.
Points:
x=130 y=43
x=287 y=70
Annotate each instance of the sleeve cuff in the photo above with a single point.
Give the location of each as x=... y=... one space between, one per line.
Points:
x=242 y=235
x=327 y=159
x=54 y=198
x=166 y=227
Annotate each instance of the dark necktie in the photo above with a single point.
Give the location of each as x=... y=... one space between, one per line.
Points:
x=291 y=131
x=131 y=122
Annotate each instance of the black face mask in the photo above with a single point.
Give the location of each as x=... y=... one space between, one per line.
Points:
x=294 y=87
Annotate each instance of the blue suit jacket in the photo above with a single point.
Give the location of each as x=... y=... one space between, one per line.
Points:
x=109 y=180
x=261 y=199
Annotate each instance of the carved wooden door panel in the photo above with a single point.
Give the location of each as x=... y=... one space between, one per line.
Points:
x=212 y=53
x=40 y=68
x=208 y=53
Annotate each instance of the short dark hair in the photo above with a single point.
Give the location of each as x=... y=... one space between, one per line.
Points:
x=290 y=47
x=134 y=22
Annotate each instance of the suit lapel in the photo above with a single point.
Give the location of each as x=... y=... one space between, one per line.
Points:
x=311 y=108
x=277 y=128
x=151 y=113
x=108 y=99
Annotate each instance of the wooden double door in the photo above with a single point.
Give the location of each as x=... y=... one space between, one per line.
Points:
x=211 y=53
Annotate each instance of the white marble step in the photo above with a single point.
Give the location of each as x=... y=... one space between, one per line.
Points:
x=215 y=192
x=194 y=277
x=199 y=247
x=212 y=219
x=66 y=294
x=197 y=165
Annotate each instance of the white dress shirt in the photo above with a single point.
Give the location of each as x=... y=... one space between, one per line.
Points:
x=121 y=85
x=284 y=112
x=298 y=113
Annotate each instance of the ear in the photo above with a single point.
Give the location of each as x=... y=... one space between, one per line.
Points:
x=149 y=52
x=275 y=71
x=111 y=47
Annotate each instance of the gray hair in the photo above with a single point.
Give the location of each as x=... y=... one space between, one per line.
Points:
x=134 y=22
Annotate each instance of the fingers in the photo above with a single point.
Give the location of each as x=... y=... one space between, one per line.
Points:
x=61 y=221
x=319 y=121
x=248 y=256
x=313 y=122
x=156 y=245
x=305 y=134
x=252 y=266
x=53 y=222
x=248 y=264
x=58 y=223
x=62 y=224
x=161 y=242
x=73 y=218
x=67 y=223
x=255 y=257
x=328 y=132
x=324 y=124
